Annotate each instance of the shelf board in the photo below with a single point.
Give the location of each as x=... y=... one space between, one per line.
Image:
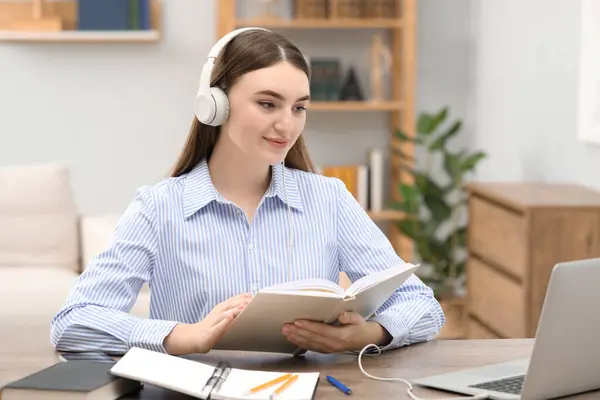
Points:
x=355 y=105
x=386 y=215
x=73 y=36
x=322 y=23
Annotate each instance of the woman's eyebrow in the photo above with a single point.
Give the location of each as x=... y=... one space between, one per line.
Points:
x=279 y=96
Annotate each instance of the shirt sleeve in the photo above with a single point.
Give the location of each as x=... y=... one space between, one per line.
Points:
x=411 y=314
x=95 y=315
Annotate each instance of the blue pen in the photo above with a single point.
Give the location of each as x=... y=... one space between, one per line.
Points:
x=338 y=384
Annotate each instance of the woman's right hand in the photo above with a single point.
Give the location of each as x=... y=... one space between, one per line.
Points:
x=202 y=336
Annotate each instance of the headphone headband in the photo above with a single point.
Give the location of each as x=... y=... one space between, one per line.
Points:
x=211 y=105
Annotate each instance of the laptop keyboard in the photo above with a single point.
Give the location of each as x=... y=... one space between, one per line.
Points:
x=513 y=385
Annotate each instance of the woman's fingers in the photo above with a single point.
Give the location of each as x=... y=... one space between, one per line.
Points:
x=234 y=305
x=219 y=328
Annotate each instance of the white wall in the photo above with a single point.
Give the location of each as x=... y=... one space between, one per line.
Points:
x=118 y=114
x=523 y=93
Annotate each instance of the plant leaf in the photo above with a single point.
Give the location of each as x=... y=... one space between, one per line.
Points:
x=402 y=206
x=440 y=210
x=461 y=236
x=440 y=116
x=403 y=136
x=452 y=165
x=470 y=162
x=460 y=268
x=410 y=197
x=427 y=186
x=439 y=251
x=409 y=228
x=440 y=142
x=426 y=124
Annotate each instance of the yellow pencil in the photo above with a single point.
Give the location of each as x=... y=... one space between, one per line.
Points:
x=287 y=384
x=268 y=384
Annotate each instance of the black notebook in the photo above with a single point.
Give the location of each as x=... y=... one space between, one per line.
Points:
x=70 y=380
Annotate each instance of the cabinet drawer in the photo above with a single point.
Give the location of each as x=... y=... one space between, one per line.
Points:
x=496 y=299
x=498 y=234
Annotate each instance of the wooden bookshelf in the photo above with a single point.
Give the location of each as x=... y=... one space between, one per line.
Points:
x=386 y=215
x=400 y=107
x=322 y=23
x=80 y=37
x=66 y=11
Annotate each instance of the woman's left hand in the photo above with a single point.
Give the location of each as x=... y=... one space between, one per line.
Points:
x=353 y=334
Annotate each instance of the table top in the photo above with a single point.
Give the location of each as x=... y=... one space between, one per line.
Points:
x=27 y=349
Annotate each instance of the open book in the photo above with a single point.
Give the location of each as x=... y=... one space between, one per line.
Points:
x=259 y=326
x=202 y=381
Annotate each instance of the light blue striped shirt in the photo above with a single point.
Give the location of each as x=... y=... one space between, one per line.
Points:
x=196 y=249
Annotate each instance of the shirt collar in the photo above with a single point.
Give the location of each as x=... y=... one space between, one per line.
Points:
x=199 y=190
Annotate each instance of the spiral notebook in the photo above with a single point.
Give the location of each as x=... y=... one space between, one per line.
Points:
x=204 y=381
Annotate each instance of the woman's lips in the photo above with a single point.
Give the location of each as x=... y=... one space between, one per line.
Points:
x=279 y=143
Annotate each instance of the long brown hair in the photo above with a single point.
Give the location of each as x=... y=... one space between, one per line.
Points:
x=246 y=52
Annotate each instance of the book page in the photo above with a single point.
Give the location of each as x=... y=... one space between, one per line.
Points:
x=164 y=370
x=370 y=280
x=318 y=287
x=240 y=381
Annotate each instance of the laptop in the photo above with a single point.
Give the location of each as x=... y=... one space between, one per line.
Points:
x=565 y=359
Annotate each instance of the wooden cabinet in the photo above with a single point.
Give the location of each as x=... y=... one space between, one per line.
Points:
x=517 y=232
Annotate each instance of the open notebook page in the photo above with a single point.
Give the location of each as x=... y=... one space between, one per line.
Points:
x=374 y=278
x=159 y=369
x=308 y=285
x=240 y=381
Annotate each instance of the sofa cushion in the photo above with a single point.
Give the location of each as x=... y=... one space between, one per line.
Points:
x=34 y=291
x=38 y=293
x=38 y=218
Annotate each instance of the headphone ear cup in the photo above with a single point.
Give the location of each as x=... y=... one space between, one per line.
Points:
x=204 y=108
x=221 y=104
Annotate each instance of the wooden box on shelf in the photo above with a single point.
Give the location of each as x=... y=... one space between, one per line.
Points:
x=381 y=9
x=311 y=9
x=346 y=9
x=57 y=22
x=517 y=233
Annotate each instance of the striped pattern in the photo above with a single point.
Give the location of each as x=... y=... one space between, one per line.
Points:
x=197 y=249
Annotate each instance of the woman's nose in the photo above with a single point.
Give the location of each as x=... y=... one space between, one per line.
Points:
x=284 y=122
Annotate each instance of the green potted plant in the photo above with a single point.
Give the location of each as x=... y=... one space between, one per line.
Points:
x=435 y=201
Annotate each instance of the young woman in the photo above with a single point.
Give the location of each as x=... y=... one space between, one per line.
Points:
x=242 y=210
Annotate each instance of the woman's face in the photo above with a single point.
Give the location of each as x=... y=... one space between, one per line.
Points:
x=267 y=111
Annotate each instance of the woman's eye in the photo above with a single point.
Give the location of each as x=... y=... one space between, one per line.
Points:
x=266 y=104
x=300 y=108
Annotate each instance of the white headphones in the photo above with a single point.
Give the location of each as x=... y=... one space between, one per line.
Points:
x=211 y=105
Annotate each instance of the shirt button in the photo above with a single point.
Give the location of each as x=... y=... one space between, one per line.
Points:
x=250 y=246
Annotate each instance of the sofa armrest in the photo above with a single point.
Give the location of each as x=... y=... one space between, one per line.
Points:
x=96 y=232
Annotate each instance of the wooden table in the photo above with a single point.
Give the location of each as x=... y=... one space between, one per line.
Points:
x=27 y=349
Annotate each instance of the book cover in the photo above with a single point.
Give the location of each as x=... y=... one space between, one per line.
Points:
x=72 y=379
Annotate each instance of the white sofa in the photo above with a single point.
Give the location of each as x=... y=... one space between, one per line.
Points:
x=45 y=243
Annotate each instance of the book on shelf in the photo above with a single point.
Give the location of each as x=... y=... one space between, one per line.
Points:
x=259 y=326
x=355 y=177
x=363 y=181
x=376 y=180
x=204 y=381
x=113 y=15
